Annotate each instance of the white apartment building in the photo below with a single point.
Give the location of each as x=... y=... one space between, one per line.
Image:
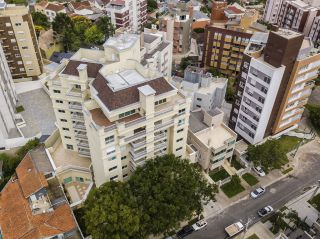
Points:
x=129 y=14
x=156 y=51
x=8 y=100
x=207 y=92
x=314 y=33
x=112 y=109
x=271 y=10
x=210 y=141
x=273 y=89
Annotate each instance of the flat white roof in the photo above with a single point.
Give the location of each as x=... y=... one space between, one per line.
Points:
x=122 y=42
x=147 y=90
x=125 y=79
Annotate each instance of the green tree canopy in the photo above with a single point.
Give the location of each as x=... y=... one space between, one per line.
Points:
x=40 y=19
x=93 y=36
x=269 y=154
x=62 y=24
x=169 y=190
x=105 y=26
x=111 y=211
x=152 y=5
x=314 y=115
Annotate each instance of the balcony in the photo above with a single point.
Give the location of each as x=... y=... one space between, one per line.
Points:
x=136 y=121
x=139 y=155
x=83 y=143
x=164 y=125
x=75 y=93
x=75 y=106
x=84 y=152
x=77 y=117
x=138 y=143
x=160 y=145
x=135 y=136
x=81 y=135
x=79 y=126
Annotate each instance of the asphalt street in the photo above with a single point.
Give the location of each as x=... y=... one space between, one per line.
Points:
x=277 y=195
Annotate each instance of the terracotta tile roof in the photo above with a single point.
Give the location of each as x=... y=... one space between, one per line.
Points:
x=92 y=68
x=76 y=5
x=17 y=220
x=31 y=180
x=55 y=7
x=114 y=100
x=99 y=118
x=234 y=10
x=42 y=4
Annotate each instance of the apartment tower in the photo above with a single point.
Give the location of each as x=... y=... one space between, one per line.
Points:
x=19 y=41
x=274 y=85
x=111 y=108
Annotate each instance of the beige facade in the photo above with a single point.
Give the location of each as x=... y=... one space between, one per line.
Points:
x=19 y=42
x=112 y=109
x=209 y=139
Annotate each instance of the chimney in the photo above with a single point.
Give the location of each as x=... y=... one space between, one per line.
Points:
x=83 y=74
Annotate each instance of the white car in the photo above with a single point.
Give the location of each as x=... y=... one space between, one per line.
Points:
x=199 y=225
x=259 y=171
x=257 y=192
x=265 y=211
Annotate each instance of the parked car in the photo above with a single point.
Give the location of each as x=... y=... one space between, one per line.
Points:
x=265 y=211
x=199 y=225
x=257 y=192
x=259 y=171
x=185 y=231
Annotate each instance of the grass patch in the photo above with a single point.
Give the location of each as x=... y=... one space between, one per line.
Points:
x=233 y=187
x=236 y=164
x=287 y=170
x=250 y=179
x=315 y=201
x=19 y=109
x=219 y=175
x=254 y=236
x=288 y=143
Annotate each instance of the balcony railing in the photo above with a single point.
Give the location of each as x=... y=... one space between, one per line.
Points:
x=75 y=106
x=137 y=135
x=138 y=143
x=79 y=126
x=137 y=156
x=81 y=136
x=77 y=117
x=136 y=121
x=165 y=124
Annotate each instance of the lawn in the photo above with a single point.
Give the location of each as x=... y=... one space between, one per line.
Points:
x=219 y=175
x=288 y=143
x=315 y=201
x=254 y=236
x=236 y=164
x=232 y=188
x=250 y=179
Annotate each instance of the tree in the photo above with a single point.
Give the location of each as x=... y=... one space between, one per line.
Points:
x=269 y=154
x=80 y=25
x=314 y=115
x=231 y=90
x=105 y=26
x=111 y=211
x=62 y=24
x=152 y=5
x=93 y=36
x=169 y=190
x=70 y=40
x=185 y=62
x=40 y=19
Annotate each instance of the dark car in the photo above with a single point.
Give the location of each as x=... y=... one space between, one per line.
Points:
x=185 y=231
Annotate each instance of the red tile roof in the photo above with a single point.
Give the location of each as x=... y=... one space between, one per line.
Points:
x=71 y=68
x=117 y=99
x=234 y=9
x=54 y=7
x=76 y=5
x=16 y=218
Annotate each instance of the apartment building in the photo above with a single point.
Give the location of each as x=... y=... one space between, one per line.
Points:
x=156 y=51
x=33 y=204
x=206 y=92
x=271 y=11
x=19 y=41
x=112 y=109
x=314 y=33
x=210 y=141
x=50 y=9
x=276 y=81
x=129 y=14
x=177 y=25
x=8 y=101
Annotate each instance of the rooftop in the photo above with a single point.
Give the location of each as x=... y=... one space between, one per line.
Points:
x=17 y=216
x=92 y=68
x=122 y=42
x=287 y=33
x=149 y=38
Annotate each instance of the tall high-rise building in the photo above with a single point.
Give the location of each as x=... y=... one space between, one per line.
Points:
x=8 y=100
x=129 y=14
x=19 y=41
x=275 y=82
x=111 y=108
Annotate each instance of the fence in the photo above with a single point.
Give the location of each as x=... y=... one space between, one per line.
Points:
x=224 y=181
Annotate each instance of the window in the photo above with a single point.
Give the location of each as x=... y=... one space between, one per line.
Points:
x=178 y=140
x=18 y=24
x=178 y=148
x=181 y=122
x=59 y=101
x=57 y=91
x=8 y=24
x=261 y=100
x=267 y=79
x=17 y=55
x=125 y=175
x=61 y=111
x=220 y=152
x=182 y=111
x=13 y=40
x=15 y=48
x=112 y=158
x=67 y=180
x=10 y=33
x=69 y=146
x=160 y=101
x=63 y=120
x=67 y=137
x=112 y=168
x=111 y=150
x=229 y=150
x=123 y=157
x=125 y=166
x=199 y=99
x=113 y=178
x=109 y=139
x=22 y=69
x=258 y=109
x=179 y=130
x=79 y=179
x=125 y=114
x=24 y=47
x=65 y=129
x=199 y=106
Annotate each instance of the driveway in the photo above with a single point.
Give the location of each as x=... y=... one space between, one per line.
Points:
x=277 y=195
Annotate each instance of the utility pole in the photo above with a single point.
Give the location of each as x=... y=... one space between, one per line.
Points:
x=247 y=225
x=316 y=189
